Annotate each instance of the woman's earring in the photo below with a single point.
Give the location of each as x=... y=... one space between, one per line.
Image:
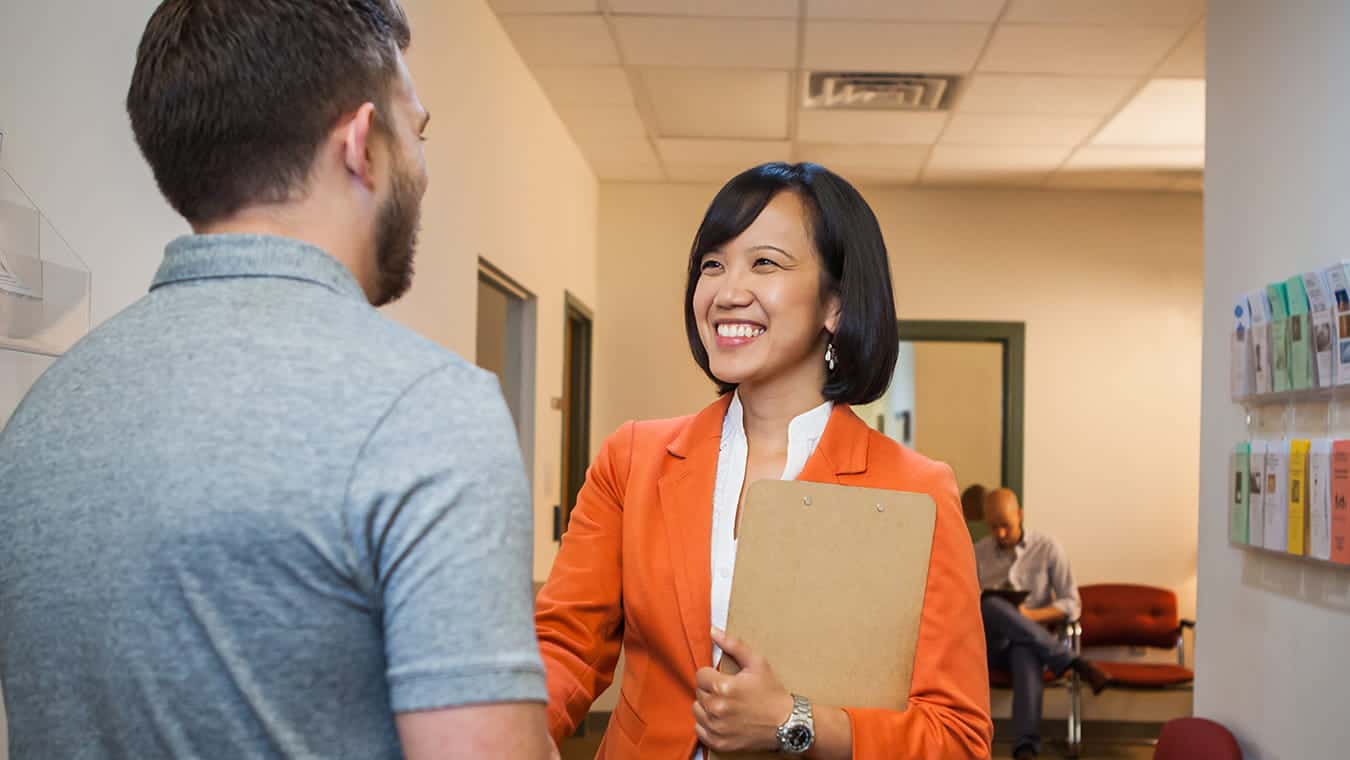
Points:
x=829 y=357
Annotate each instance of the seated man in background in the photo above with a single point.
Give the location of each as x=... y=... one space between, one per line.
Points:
x=1018 y=638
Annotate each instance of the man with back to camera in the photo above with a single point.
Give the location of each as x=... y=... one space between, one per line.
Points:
x=249 y=516
x=1017 y=637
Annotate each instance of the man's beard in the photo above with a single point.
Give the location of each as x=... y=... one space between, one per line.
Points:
x=396 y=239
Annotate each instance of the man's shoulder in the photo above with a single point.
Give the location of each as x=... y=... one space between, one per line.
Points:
x=1039 y=538
x=1044 y=543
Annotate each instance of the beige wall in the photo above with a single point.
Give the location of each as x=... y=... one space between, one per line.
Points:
x=1272 y=662
x=958 y=418
x=507 y=182
x=1108 y=285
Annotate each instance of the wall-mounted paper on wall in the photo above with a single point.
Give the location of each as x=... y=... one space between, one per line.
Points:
x=1321 y=306
x=1340 y=295
x=1256 y=503
x=1259 y=308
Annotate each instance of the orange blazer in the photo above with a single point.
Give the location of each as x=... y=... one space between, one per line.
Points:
x=634 y=570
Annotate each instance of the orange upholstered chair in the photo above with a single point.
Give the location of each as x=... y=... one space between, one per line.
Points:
x=1119 y=614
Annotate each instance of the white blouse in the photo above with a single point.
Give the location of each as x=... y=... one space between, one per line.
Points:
x=804 y=433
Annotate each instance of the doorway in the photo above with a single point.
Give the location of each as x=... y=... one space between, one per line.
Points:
x=957 y=397
x=506 y=347
x=576 y=408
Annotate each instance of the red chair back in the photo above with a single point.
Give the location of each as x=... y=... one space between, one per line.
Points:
x=1196 y=739
x=1122 y=614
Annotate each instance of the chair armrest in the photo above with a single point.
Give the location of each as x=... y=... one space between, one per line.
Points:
x=1181 y=640
x=1072 y=632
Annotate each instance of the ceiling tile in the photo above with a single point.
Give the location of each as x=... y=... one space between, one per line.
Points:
x=505 y=7
x=739 y=8
x=1091 y=158
x=1123 y=179
x=1165 y=112
x=862 y=176
x=882 y=127
x=1078 y=50
x=617 y=151
x=1188 y=60
x=719 y=102
x=631 y=160
x=974 y=165
x=1019 y=129
x=585 y=85
x=906 y=10
x=873 y=46
x=868 y=158
x=1105 y=12
x=603 y=121
x=745 y=153
x=562 y=40
x=707 y=42
x=1063 y=95
x=712 y=174
x=628 y=172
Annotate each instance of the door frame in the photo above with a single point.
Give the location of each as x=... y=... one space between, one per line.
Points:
x=521 y=400
x=574 y=310
x=1013 y=337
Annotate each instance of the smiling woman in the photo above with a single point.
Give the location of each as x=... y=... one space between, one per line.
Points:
x=789 y=310
x=791 y=228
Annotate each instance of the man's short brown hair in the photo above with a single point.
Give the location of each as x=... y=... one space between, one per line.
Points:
x=231 y=99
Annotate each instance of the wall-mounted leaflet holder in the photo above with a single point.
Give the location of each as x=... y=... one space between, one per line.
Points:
x=1289 y=485
x=45 y=302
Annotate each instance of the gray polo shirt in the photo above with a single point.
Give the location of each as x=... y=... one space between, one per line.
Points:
x=249 y=517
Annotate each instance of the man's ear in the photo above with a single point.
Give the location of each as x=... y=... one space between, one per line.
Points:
x=356 y=153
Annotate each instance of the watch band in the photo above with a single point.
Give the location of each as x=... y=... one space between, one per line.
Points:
x=798 y=732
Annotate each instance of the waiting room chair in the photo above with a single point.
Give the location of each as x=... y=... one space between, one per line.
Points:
x=1120 y=614
x=1196 y=739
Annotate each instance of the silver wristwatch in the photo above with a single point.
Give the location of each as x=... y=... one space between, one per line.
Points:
x=798 y=732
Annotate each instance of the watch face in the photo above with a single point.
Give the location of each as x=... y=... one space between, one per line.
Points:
x=797 y=738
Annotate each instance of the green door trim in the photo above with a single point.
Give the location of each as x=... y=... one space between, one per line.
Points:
x=1013 y=337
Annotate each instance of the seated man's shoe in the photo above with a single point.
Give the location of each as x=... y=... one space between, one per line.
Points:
x=1025 y=752
x=1094 y=676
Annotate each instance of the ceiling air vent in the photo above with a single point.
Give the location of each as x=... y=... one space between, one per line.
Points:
x=842 y=90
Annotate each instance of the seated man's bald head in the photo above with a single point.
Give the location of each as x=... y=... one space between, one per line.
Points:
x=1003 y=514
x=1001 y=498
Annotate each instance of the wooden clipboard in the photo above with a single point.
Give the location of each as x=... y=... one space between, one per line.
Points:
x=829 y=587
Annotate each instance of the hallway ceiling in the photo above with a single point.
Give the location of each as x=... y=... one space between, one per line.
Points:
x=1062 y=94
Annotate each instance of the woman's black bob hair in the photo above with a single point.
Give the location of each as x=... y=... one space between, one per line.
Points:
x=853 y=260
